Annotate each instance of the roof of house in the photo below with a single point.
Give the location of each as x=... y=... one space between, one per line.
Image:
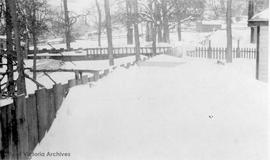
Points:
x=261 y=18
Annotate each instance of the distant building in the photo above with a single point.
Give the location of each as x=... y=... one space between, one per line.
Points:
x=260 y=21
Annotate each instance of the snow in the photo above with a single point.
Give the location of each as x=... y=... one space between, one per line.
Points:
x=262 y=16
x=165 y=109
x=63 y=77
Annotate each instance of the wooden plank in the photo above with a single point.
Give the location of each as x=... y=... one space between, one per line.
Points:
x=1 y=137
x=32 y=121
x=51 y=107
x=84 y=79
x=96 y=76
x=65 y=89
x=106 y=72
x=58 y=92
x=42 y=110
x=6 y=133
x=22 y=127
x=12 y=132
x=71 y=83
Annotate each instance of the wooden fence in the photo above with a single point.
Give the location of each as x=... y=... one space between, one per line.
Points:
x=100 y=53
x=220 y=53
x=103 y=50
x=126 y=50
x=24 y=123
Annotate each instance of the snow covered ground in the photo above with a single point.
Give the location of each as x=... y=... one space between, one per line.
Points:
x=164 y=109
x=62 y=77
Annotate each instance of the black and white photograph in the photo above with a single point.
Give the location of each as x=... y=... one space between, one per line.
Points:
x=134 y=80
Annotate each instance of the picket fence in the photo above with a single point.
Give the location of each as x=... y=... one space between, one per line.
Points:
x=24 y=123
x=220 y=53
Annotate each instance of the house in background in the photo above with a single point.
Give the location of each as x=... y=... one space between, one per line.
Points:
x=260 y=21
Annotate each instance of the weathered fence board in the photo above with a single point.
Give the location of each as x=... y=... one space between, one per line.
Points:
x=42 y=110
x=32 y=120
x=84 y=79
x=22 y=128
x=51 y=107
x=71 y=83
x=96 y=76
x=59 y=93
x=6 y=133
x=1 y=145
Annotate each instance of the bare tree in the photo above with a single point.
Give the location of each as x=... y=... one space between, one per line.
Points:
x=185 y=11
x=34 y=13
x=10 y=74
x=67 y=25
x=99 y=23
x=21 y=78
x=129 y=22
x=229 y=32
x=109 y=31
x=251 y=10
x=166 y=30
x=136 y=31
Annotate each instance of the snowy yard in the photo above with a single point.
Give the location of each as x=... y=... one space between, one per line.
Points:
x=164 y=109
x=62 y=77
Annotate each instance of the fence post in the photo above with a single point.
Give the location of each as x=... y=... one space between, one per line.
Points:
x=106 y=72
x=22 y=128
x=209 y=50
x=84 y=79
x=96 y=76
x=77 y=75
x=238 y=49
x=71 y=83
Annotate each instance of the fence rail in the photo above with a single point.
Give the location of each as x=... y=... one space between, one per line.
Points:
x=103 y=50
x=220 y=53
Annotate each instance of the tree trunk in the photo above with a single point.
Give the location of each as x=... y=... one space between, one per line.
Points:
x=35 y=56
x=148 y=36
x=159 y=22
x=136 y=31
x=129 y=22
x=34 y=38
x=21 y=79
x=251 y=11
x=109 y=31
x=154 y=39
x=10 y=75
x=166 y=30
x=67 y=25
x=229 y=32
x=99 y=23
x=26 y=49
x=179 y=30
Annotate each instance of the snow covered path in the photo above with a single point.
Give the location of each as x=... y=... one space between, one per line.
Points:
x=165 y=109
